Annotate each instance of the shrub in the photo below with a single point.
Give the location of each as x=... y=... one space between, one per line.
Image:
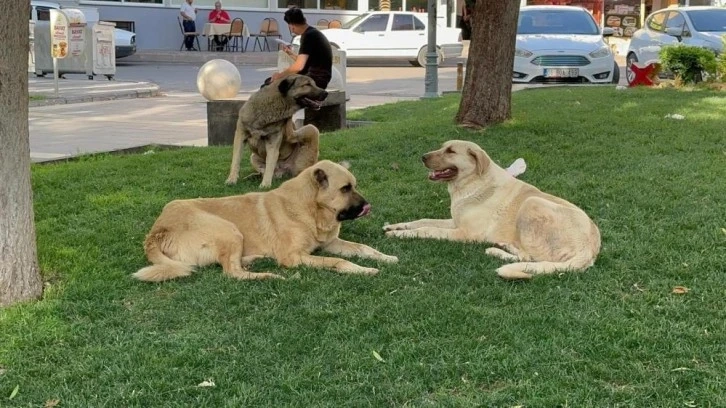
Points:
x=722 y=61
x=688 y=63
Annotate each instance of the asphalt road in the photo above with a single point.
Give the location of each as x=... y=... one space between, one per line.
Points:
x=391 y=80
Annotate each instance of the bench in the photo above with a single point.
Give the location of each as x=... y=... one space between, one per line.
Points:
x=222 y=117
x=331 y=116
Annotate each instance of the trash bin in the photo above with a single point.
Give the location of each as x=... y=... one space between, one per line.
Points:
x=89 y=48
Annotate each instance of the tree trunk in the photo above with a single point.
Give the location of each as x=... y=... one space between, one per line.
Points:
x=486 y=97
x=19 y=275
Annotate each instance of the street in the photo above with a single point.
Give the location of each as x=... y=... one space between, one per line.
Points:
x=403 y=80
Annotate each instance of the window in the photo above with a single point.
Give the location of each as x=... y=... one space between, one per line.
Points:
x=418 y=24
x=318 y=4
x=655 y=22
x=132 y=1
x=43 y=13
x=376 y=22
x=708 y=20
x=402 y=22
x=675 y=20
x=227 y=4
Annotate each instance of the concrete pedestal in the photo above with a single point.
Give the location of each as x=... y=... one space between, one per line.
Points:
x=331 y=116
x=222 y=121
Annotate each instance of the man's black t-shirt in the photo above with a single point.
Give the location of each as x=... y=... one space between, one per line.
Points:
x=319 y=65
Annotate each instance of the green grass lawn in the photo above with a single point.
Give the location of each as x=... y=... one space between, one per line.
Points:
x=438 y=328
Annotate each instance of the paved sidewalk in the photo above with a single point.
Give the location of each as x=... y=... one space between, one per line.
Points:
x=63 y=131
x=42 y=90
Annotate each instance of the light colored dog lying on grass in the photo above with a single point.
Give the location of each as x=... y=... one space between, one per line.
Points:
x=537 y=231
x=288 y=223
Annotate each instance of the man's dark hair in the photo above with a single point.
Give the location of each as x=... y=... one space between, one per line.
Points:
x=294 y=15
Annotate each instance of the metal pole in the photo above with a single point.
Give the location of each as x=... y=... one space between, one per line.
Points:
x=432 y=75
x=55 y=75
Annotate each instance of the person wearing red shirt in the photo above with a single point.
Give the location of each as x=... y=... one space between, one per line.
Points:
x=219 y=16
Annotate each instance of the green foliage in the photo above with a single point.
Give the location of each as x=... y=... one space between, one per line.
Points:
x=722 y=60
x=438 y=329
x=688 y=63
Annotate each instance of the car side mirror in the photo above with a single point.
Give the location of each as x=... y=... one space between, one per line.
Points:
x=675 y=32
x=608 y=32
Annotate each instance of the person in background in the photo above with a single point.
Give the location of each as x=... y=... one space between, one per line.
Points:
x=189 y=15
x=315 y=58
x=219 y=16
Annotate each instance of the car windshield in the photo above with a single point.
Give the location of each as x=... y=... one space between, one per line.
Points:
x=354 y=21
x=708 y=20
x=556 y=22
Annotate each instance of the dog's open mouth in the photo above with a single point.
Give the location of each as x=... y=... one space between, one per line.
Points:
x=445 y=174
x=365 y=211
x=310 y=103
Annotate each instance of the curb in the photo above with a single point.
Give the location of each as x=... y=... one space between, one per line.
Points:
x=148 y=93
x=186 y=57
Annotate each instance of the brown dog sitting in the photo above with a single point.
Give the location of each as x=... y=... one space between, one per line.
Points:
x=265 y=125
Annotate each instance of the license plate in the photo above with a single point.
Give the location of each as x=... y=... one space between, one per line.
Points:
x=561 y=72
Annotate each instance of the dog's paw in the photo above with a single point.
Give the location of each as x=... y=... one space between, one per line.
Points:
x=400 y=233
x=389 y=258
x=231 y=180
x=367 y=271
x=394 y=227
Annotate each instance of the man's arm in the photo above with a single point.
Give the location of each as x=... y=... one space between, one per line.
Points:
x=184 y=15
x=296 y=67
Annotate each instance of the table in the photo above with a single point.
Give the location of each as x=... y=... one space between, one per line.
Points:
x=212 y=29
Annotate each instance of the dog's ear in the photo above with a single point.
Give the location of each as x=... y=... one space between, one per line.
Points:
x=481 y=160
x=321 y=178
x=285 y=85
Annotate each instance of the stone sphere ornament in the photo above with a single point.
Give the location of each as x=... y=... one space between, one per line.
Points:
x=218 y=79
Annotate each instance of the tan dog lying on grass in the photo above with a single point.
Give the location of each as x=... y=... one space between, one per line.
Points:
x=537 y=231
x=288 y=223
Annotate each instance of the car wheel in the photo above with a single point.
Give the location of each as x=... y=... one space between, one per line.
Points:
x=616 y=73
x=421 y=59
x=628 y=62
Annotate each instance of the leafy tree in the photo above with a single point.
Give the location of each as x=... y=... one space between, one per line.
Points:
x=19 y=274
x=487 y=93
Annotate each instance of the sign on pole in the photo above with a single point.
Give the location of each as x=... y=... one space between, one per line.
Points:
x=66 y=36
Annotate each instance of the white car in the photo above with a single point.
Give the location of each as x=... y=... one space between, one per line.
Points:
x=562 y=44
x=698 y=26
x=125 y=41
x=392 y=35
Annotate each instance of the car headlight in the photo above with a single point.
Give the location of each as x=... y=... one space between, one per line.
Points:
x=603 y=51
x=521 y=52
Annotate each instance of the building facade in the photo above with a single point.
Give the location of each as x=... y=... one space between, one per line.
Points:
x=156 y=26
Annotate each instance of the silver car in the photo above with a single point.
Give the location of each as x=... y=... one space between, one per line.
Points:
x=562 y=44
x=698 y=26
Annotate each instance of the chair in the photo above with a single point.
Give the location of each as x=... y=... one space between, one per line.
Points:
x=195 y=34
x=268 y=28
x=335 y=24
x=322 y=24
x=234 y=40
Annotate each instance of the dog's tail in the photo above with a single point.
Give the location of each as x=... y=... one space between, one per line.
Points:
x=162 y=268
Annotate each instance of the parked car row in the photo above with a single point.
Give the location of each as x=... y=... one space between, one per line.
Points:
x=696 y=26
x=125 y=41
x=562 y=44
x=399 y=35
